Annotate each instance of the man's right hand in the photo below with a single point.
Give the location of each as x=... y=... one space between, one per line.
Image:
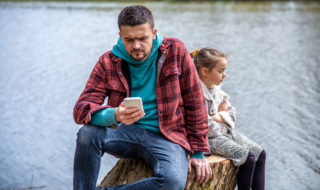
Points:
x=128 y=115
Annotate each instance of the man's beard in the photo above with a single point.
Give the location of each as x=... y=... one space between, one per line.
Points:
x=145 y=55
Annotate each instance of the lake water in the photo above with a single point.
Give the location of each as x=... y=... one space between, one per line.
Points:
x=47 y=51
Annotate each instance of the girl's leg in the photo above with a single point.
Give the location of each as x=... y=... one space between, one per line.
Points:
x=258 y=182
x=225 y=146
x=245 y=174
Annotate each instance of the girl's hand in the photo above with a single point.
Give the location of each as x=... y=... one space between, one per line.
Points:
x=223 y=106
x=218 y=118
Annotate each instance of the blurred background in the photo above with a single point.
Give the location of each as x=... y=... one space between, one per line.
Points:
x=48 y=49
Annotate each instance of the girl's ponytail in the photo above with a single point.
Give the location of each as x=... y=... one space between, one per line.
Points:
x=193 y=54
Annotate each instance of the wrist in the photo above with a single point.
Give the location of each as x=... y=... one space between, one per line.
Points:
x=216 y=117
x=198 y=154
x=116 y=115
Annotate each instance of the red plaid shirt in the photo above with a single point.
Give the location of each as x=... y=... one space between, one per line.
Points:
x=181 y=106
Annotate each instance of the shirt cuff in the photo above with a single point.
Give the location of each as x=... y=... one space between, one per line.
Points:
x=104 y=117
x=198 y=154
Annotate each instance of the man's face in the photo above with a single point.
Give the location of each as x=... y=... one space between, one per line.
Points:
x=138 y=40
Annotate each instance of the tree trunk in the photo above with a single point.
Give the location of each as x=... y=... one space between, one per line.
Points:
x=131 y=170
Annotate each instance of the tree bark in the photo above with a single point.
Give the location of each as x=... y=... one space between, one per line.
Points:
x=131 y=170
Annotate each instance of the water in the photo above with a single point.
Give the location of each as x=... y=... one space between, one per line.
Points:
x=47 y=51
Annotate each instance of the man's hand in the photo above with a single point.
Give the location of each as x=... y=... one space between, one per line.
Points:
x=203 y=169
x=128 y=115
x=223 y=106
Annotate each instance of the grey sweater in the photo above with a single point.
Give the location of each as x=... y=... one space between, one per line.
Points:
x=224 y=140
x=214 y=97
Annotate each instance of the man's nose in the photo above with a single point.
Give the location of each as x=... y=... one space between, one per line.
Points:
x=224 y=75
x=136 y=45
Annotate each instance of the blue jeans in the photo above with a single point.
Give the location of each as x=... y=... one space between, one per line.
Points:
x=168 y=160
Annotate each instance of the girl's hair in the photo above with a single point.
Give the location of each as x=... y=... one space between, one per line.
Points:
x=206 y=57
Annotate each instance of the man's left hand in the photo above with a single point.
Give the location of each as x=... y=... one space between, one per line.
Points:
x=203 y=169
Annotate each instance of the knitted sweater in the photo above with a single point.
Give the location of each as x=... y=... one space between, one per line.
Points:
x=214 y=97
x=224 y=140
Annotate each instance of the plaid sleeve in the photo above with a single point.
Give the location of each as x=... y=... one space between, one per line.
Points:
x=194 y=103
x=93 y=96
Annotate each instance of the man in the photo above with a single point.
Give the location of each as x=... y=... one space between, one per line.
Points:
x=172 y=123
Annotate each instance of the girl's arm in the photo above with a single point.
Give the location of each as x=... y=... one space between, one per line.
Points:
x=214 y=127
x=227 y=113
x=217 y=118
x=222 y=107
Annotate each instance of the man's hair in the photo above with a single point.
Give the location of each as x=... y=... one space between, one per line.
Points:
x=135 y=15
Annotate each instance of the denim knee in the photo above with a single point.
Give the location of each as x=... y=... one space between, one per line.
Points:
x=172 y=181
x=91 y=135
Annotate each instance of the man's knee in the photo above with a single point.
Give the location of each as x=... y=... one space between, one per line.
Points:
x=176 y=173
x=90 y=134
x=173 y=179
x=171 y=182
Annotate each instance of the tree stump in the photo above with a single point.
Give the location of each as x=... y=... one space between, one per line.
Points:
x=131 y=170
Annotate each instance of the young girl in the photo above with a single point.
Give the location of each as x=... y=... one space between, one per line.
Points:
x=224 y=140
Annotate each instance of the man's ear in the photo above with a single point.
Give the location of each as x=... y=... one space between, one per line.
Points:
x=154 y=32
x=120 y=34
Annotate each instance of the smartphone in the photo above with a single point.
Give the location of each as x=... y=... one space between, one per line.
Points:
x=133 y=102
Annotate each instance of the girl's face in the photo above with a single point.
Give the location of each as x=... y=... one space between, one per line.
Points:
x=216 y=75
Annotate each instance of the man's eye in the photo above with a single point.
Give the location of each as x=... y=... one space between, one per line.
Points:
x=143 y=39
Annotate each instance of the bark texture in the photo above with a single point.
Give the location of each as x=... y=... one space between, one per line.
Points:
x=131 y=170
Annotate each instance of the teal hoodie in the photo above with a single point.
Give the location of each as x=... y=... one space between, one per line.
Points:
x=143 y=76
x=143 y=84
